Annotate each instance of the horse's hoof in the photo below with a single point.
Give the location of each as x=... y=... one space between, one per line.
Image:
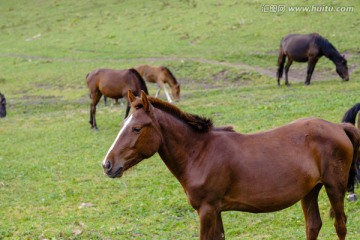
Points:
x=352 y=197
x=307 y=83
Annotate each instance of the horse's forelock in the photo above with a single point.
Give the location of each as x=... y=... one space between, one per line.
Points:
x=200 y=124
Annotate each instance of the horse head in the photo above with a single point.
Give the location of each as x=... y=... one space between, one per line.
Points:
x=2 y=106
x=175 y=92
x=342 y=69
x=139 y=138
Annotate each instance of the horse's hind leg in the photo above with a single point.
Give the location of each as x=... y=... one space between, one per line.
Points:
x=287 y=67
x=95 y=97
x=281 y=62
x=311 y=212
x=336 y=195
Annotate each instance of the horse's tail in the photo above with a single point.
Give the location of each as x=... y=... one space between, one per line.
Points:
x=354 y=135
x=141 y=80
x=350 y=115
x=281 y=62
x=87 y=82
x=170 y=73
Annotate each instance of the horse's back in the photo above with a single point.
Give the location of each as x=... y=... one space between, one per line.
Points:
x=152 y=74
x=111 y=82
x=293 y=158
x=299 y=46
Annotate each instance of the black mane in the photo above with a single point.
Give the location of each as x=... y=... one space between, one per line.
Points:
x=328 y=49
x=141 y=80
x=170 y=73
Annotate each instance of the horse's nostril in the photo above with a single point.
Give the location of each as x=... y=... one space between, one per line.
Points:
x=107 y=165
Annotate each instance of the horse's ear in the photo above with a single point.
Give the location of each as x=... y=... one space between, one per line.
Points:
x=146 y=104
x=131 y=96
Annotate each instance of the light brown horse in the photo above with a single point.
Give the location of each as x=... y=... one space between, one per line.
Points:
x=114 y=84
x=161 y=75
x=221 y=170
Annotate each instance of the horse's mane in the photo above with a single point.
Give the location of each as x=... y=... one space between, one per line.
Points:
x=350 y=115
x=141 y=80
x=327 y=48
x=170 y=73
x=199 y=124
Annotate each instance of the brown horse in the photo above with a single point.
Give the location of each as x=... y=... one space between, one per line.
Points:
x=350 y=117
x=221 y=170
x=160 y=75
x=308 y=48
x=114 y=84
x=2 y=106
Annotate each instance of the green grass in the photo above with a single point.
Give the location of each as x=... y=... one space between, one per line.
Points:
x=51 y=180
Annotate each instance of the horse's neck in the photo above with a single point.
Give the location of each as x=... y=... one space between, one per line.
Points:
x=171 y=80
x=180 y=145
x=331 y=53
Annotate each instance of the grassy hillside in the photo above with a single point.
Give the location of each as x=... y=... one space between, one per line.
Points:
x=223 y=54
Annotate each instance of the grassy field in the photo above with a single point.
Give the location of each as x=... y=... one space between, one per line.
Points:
x=224 y=55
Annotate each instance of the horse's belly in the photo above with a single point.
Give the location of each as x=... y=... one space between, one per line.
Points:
x=263 y=204
x=271 y=194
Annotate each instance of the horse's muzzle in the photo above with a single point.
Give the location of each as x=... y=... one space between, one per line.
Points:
x=108 y=170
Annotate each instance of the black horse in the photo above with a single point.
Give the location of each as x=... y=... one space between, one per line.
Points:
x=308 y=48
x=350 y=117
x=2 y=106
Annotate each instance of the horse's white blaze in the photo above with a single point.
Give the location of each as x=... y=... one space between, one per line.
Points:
x=127 y=122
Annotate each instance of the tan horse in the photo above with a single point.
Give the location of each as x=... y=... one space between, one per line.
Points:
x=114 y=84
x=221 y=170
x=161 y=75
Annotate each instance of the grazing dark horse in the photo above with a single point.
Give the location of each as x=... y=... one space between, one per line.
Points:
x=114 y=84
x=308 y=48
x=221 y=170
x=2 y=106
x=350 y=117
x=161 y=75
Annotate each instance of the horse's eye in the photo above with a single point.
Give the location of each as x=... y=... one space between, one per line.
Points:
x=136 y=129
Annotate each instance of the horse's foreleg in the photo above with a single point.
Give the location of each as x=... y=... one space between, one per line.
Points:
x=311 y=213
x=157 y=92
x=287 y=67
x=310 y=70
x=167 y=94
x=211 y=226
